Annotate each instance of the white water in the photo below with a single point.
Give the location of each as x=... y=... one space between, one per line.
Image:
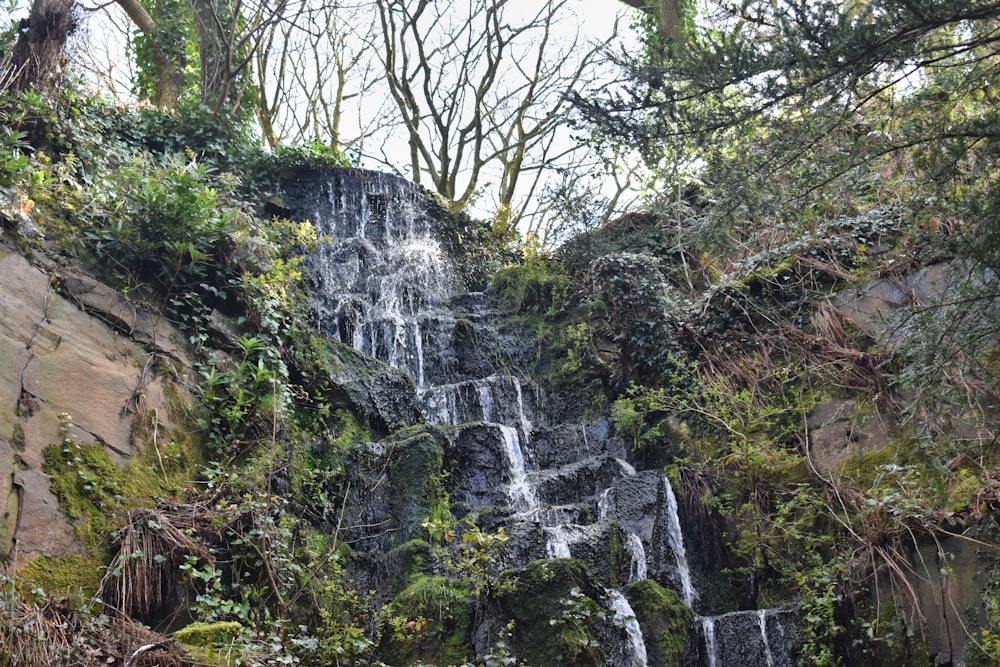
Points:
x=762 y=621
x=711 y=651
x=625 y=618
x=525 y=424
x=637 y=571
x=626 y=467
x=419 y=340
x=522 y=493
x=557 y=542
x=603 y=503
x=486 y=401
x=676 y=540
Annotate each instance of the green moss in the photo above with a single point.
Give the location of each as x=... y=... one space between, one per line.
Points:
x=89 y=486
x=409 y=558
x=617 y=557
x=416 y=476
x=556 y=611
x=210 y=643
x=435 y=625
x=209 y=634
x=664 y=619
x=66 y=575
x=94 y=491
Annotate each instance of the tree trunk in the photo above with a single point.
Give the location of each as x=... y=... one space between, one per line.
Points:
x=214 y=51
x=169 y=72
x=39 y=55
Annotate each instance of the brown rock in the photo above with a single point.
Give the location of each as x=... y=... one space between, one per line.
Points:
x=62 y=367
x=42 y=528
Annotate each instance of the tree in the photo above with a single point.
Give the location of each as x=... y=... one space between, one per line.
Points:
x=786 y=106
x=482 y=94
x=313 y=68
x=40 y=51
x=668 y=16
x=223 y=35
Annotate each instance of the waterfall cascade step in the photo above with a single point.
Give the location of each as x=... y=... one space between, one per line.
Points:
x=384 y=285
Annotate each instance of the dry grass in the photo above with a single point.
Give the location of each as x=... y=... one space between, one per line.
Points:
x=54 y=633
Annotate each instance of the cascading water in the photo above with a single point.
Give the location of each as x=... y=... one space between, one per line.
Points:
x=384 y=285
x=762 y=623
x=711 y=650
x=624 y=617
x=638 y=551
x=521 y=491
x=385 y=271
x=676 y=538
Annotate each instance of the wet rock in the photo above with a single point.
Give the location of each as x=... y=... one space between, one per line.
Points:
x=477 y=465
x=384 y=396
x=753 y=638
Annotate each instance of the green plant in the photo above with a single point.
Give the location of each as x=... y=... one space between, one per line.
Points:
x=575 y=622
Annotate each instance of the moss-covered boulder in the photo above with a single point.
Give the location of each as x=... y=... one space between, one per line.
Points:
x=383 y=396
x=664 y=619
x=431 y=623
x=555 y=614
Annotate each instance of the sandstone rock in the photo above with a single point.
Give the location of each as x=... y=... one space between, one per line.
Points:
x=65 y=372
x=109 y=305
x=42 y=528
x=872 y=306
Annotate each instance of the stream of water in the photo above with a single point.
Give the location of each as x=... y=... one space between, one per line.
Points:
x=383 y=286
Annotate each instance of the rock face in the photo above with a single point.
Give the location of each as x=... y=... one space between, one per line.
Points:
x=77 y=361
x=580 y=523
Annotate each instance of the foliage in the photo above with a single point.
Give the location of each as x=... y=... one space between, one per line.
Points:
x=43 y=630
x=244 y=401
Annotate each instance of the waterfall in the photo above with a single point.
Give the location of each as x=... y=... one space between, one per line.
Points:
x=525 y=424
x=486 y=401
x=521 y=491
x=711 y=650
x=383 y=273
x=676 y=540
x=762 y=622
x=625 y=618
x=637 y=571
x=557 y=542
x=385 y=286
x=603 y=503
x=626 y=467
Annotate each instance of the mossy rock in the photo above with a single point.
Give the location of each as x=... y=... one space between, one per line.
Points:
x=410 y=558
x=66 y=575
x=209 y=634
x=92 y=488
x=665 y=620
x=555 y=606
x=416 y=476
x=384 y=397
x=433 y=623
x=208 y=643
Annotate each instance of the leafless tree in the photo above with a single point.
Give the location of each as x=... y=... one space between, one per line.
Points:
x=482 y=93
x=313 y=70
